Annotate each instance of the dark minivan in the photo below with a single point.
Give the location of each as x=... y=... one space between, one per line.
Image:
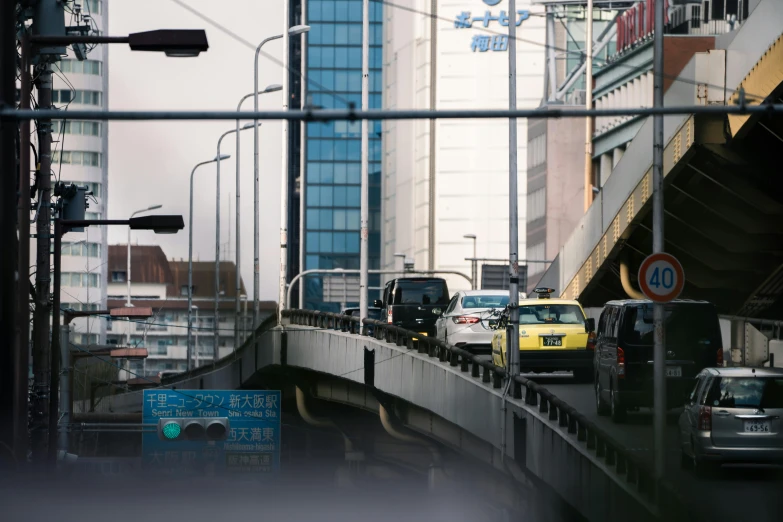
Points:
x=414 y=303
x=624 y=353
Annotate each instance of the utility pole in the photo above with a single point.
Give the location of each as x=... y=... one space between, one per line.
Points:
x=365 y=200
x=659 y=351
x=588 y=106
x=512 y=330
x=22 y=348
x=41 y=327
x=9 y=349
x=284 y=178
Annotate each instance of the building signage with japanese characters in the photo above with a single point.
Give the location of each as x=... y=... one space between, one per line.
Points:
x=253 y=442
x=490 y=37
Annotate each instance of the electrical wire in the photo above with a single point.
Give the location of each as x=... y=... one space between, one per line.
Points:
x=634 y=68
x=248 y=44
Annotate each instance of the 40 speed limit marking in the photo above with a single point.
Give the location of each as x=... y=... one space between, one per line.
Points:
x=661 y=277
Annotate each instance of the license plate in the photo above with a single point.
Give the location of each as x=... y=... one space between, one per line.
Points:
x=757 y=426
x=553 y=341
x=673 y=371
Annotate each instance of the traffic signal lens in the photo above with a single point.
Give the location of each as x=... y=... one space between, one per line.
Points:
x=194 y=430
x=216 y=431
x=171 y=430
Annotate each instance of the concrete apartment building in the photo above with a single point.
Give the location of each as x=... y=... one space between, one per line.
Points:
x=162 y=284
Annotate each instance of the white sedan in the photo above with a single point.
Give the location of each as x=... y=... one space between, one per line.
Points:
x=467 y=320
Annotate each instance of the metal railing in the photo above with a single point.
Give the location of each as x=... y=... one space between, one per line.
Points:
x=598 y=441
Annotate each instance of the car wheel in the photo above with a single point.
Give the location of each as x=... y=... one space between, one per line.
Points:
x=618 y=412
x=600 y=405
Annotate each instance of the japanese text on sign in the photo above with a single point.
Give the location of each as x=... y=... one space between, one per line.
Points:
x=483 y=43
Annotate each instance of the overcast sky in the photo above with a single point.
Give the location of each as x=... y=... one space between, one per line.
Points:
x=150 y=162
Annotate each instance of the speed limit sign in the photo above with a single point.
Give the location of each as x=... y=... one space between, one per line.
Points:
x=661 y=277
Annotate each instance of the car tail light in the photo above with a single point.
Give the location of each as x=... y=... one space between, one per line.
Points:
x=620 y=362
x=591 y=341
x=705 y=418
x=719 y=361
x=389 y=316
x=464 y=319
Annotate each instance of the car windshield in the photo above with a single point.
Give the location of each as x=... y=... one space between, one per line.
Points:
x=686 y=325
x=426 y=292
x=746 y=392
x=484 y=301
x=551 y=314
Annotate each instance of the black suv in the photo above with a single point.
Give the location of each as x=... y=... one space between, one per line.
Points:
x=414 y=303
x=624 y=352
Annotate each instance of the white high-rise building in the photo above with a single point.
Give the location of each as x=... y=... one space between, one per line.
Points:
x=79 y=156
x=467 y=68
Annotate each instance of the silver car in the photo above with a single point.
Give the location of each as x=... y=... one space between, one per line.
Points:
x=467 y=320
x=733 y=415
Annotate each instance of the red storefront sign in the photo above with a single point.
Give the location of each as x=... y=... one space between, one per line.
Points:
x=637 y=23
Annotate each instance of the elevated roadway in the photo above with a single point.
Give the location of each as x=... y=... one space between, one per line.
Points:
x=723 y=190
x=544 y=442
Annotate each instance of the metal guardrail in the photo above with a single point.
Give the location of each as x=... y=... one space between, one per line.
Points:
x=663 y=493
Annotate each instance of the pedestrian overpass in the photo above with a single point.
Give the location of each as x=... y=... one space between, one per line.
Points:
x=723 y=195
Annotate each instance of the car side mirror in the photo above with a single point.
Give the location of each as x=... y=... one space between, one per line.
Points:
x=377 y=303
x=590 y=325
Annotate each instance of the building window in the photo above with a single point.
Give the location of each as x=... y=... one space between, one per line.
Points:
x=536 y=204
x=536 y=252
x=536 y=151
x=81 y=249
x=68 y=96
x=80 y=128
x=81 y=280
x=92 y=215
x=183 y=290
x=93 y=7
x=81 y=67
x=119 y=277
x=78 y=157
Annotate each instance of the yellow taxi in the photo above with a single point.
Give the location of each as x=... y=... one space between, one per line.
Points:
x=554 y=335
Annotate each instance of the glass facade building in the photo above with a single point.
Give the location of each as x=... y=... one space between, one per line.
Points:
x=330 y=183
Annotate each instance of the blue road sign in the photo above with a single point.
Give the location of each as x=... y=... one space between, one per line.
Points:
x=253 y=442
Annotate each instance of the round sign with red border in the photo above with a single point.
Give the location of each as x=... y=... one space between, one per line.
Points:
x=661 y=277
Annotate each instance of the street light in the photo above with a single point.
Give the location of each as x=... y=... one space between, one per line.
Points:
x=175 y=43
x=270 y=88
x=160 y=224
x=473 y=262
x=217 y=227
x=128 y=269
x=292 y=31
x=190 y=249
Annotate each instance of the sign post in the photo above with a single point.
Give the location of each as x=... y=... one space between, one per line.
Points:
x=252 y=443
x=661 y=279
